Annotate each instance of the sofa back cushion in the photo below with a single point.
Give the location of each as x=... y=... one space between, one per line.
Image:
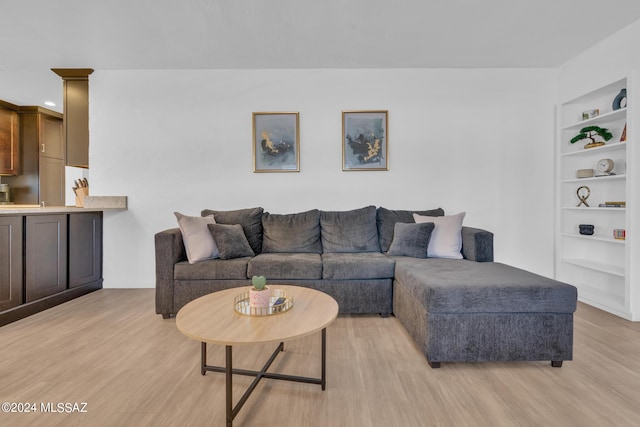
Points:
x=299 y=232
x=386 y=221
x=349 y=231
x=250 y=220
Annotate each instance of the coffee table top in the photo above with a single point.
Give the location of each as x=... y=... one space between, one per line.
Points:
x=212 y=318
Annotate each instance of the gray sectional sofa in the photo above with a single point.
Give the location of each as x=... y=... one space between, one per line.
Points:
x=374 y=260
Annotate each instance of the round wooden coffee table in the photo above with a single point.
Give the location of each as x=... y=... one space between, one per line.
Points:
x=212 y=319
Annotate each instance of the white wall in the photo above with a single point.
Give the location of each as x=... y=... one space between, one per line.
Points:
x=610 y=60
x=479 y=141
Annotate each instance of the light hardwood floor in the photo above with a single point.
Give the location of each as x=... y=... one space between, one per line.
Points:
x=132 y=368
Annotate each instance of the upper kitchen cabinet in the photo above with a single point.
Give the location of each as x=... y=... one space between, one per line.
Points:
x=9 y=139
x=76 y=114
x=42 y=151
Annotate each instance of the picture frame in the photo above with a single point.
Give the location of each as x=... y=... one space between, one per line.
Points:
x=276 y=142
x=365 y=140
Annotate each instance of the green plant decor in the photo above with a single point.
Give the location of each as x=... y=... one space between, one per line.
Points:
x=259 y=282
x=593 y=133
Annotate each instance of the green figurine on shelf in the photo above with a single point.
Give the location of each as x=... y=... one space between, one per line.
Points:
x=591 y=132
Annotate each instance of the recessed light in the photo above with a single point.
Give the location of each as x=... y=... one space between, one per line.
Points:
x=49 y=103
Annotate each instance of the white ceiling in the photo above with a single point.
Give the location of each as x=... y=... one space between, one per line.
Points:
x=37 y=35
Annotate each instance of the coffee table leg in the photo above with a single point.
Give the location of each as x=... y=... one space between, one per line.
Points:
x=324 y=359
x=203 y=357
x=229 y=371
x=229 y=379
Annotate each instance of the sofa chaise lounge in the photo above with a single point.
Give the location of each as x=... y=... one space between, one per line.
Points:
x=376 y=261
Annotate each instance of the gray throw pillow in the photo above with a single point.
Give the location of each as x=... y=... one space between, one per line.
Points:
x=349 y=231
x=250 y=219
x=411 y=239
x=231 y=241
x=387 y=218
x=299 y=232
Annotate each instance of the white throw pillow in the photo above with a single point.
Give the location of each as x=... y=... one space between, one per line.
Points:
x=197 y=238
x=446 y=237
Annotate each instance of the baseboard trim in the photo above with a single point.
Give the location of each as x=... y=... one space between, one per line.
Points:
x=33 y=307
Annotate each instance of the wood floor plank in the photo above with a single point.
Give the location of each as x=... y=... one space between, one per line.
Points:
x=110 y=350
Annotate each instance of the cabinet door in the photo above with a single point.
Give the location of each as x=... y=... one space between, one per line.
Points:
x=46 y=256
x=50 y=137
x=10 y=262
x=51 y=178
x=9 y=149
x=76 y=112
x=85 y=248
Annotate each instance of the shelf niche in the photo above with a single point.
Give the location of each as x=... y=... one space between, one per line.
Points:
x=598 y=265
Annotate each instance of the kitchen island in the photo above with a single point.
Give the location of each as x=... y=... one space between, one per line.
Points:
x=48 y=255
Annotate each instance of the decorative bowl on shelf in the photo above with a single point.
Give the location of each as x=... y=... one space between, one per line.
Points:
x=586 y=229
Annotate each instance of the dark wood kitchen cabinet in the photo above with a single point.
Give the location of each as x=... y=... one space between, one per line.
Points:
x=9 y=140
x=10 y=262
x=85 y=248
x=46 y=259
x=75 y=90
x=42 y=149
x=45 y=256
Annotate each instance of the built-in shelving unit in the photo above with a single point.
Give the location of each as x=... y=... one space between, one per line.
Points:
x=599 y=265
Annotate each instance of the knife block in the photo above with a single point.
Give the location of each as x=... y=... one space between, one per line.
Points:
x=80 y=195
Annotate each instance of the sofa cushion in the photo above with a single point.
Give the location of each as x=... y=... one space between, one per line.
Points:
x=349 y=231
x=231 y=241
x=286 y=266
x=197 y=239
x=446 y=238
x=299 y=232
x=349 y=266
x=386 y=220
x=215 y=269
x=411 y=239
x=250 y=220
x=462 y=286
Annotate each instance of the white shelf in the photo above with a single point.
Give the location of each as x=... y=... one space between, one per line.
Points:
x=592 y=209
x=596 y=266
x=607 y=147
x=602 y=118
x=596 y=178
x=595 y=238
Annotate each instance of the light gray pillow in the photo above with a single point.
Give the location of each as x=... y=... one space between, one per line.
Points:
x=411 y=239
x=446 y=238
x=198 y=242
x=299 y=232
x=349 y=231
x=231 y=241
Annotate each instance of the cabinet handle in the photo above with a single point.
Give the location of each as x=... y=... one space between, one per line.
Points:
x=42 y=147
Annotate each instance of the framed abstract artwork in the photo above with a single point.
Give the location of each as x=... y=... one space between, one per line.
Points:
x=365 y=140
x=276 y=142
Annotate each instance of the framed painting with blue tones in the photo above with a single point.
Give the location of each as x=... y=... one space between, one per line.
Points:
x=276 y=142
x=365 y=140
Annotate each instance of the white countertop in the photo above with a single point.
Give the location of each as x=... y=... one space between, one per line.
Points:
x=6 y=210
